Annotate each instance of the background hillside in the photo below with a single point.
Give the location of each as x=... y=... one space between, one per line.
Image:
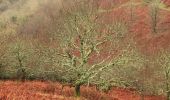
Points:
x=85 y=49
x=14 y=13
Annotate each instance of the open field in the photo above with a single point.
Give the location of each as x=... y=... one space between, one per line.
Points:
x=36 y=90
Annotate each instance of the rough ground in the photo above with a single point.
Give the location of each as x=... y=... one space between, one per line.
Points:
x=36 y=90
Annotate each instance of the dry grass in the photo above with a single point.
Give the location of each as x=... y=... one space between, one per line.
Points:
x=13 y=90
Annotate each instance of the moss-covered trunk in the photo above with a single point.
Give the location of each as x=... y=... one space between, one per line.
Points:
x=77 y=90
x=167 y=85
x=168 y=96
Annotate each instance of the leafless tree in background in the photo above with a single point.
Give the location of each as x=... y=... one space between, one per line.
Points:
x=163 y=60
x=154 y=14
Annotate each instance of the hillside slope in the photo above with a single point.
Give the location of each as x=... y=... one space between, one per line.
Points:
x=14 y=14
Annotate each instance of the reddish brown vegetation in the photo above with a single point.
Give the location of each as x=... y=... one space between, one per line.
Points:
x=140 y=30
x=107 y=4
x=52 y=91
x=118 y=10
x=148 y=42
x=167 y=2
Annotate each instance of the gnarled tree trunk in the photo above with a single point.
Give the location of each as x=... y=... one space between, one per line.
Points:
x=77 y=90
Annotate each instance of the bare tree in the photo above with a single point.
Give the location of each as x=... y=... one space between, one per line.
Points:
x=80 y=40
x=19 y=56
x=131 y=8
x=4 y=40
x=154 y=14
x=3 y=51
x=163 y=60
